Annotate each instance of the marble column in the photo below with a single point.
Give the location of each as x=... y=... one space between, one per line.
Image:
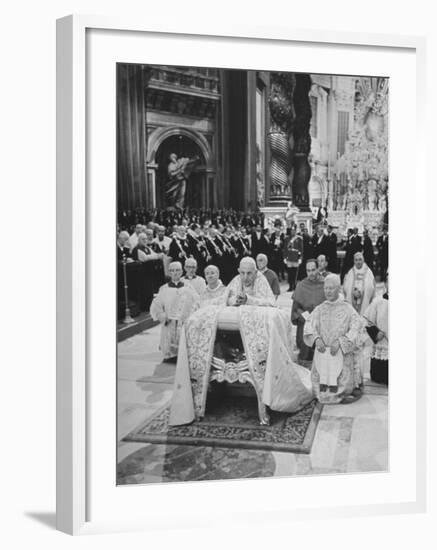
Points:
x=302 y=141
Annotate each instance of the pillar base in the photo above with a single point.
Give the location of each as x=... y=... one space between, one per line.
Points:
x=273 y=212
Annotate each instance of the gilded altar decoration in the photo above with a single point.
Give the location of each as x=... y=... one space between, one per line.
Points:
x=361 y=173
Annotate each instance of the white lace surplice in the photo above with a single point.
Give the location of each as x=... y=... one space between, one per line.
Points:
x=377 y=314
x=174 y=305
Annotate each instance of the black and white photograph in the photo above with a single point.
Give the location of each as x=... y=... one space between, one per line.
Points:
x=252 y=252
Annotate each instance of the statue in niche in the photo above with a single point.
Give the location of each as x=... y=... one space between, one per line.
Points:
x=178 y=170
x=382 y=204
x=291 y=213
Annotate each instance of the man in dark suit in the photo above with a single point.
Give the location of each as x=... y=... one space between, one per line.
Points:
x=259 y=242
x=382 y=246
x=331 y=250
x=368 y=253
x=307 y=251
x=356 y=244
x=242 y=243
x=179 y=249
x=320 y=242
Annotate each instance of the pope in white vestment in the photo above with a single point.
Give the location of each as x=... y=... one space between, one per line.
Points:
x=248 y=306
x=172 y=306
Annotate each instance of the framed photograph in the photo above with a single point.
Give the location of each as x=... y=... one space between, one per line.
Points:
x=240 y=348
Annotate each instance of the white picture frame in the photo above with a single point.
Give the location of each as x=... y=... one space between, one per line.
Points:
x=73 y=265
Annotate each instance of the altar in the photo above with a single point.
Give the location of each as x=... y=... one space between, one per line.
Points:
x=260 y=354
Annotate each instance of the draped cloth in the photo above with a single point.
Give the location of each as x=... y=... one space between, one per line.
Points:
x=333 y=321
x=266 y=335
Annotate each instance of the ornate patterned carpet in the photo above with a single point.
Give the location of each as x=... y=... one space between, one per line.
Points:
x=233 y=423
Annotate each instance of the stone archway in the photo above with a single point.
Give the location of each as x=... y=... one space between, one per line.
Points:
x=196 y=191
x=159 y=135
x=186 y=143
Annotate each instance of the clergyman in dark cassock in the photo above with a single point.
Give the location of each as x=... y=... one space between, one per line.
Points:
x=309 y=293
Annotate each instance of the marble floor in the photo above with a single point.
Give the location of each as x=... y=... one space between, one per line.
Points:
x=349 y=438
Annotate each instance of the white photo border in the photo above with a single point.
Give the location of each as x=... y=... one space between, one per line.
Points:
x=87 y=497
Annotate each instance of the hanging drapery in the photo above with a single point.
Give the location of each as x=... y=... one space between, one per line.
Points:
x=132 y=83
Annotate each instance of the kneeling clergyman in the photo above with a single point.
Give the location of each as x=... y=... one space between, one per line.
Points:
x=173 y=304
x=214 y=292
x=191 y=278
x=376 y=316
x=334 y=327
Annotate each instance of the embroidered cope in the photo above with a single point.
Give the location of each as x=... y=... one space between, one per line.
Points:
x=332 y=322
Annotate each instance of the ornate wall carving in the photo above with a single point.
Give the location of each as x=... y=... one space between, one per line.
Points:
x=361 y=174
x=280 y=136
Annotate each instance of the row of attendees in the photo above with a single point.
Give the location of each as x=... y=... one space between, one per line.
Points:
x=152 y=248
x=170 y=217
x=225 y=245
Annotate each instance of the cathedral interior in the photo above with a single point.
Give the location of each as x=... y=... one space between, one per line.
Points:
x=251 y=141
x=262 y=139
